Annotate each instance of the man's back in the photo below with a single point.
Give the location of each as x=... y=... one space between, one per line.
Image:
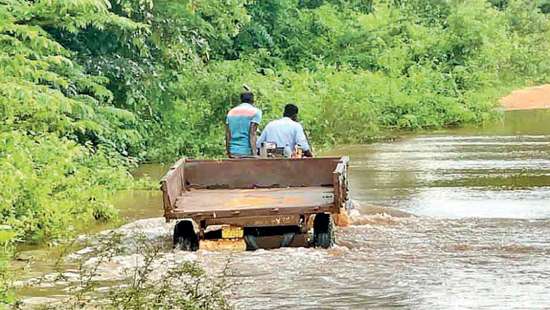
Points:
x=238 y=122
x=284 y=132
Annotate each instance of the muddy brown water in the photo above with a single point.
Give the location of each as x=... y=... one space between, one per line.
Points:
x=478 y=236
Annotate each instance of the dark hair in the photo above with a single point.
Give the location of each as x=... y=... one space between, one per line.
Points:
x=291 y=110
x=247 y=97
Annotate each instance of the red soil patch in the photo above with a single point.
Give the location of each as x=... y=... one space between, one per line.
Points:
x=528 y=98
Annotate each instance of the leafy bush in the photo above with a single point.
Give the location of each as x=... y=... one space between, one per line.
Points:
x=6 y=248
x=49 y=183
x=43 y=90
x=61 y=141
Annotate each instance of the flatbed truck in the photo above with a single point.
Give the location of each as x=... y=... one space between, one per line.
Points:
x=261 y=203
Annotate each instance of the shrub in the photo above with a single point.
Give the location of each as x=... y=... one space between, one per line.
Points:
x=51 y=186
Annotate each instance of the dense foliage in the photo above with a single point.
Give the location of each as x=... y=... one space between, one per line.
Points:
x=89 y=86
x=59 y=135
x=356 y=68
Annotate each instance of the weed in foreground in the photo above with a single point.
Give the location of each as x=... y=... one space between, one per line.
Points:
x=153 y=282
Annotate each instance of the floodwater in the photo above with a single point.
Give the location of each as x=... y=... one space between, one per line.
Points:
x=462 y=220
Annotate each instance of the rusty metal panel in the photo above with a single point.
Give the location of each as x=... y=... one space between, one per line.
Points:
x=240 y=189
x=198 y=216
x=252 y=173
x=258 y=221
x=340 y=184
x=203 y=200
x=172 y=185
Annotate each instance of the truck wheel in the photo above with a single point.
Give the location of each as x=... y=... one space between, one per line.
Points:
x=287 y=239
x=185 y=237
x=251 y=244
x=323 y=231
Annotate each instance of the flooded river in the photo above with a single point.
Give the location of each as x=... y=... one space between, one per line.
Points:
x=462 y=221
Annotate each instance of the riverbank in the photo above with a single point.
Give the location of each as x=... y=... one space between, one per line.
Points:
x=537 y=97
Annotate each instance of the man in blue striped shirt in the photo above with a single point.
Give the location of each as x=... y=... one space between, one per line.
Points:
x=286 y=132
x=240 y=128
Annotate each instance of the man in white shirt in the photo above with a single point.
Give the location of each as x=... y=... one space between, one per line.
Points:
x=286 y=132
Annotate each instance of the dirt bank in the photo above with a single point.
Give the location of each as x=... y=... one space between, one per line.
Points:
x=537 y=97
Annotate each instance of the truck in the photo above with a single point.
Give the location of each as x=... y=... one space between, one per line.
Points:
x=255 y=203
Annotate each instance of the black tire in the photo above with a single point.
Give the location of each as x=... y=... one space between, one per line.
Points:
x=251 y=244
x=323 y=231
x=185 y=238
x=287 y=239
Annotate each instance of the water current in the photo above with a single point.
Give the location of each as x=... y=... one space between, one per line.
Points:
x=448 y=219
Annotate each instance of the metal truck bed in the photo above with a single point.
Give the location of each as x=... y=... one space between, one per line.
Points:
x=267 y=202
x=203 y=189
x=213 y=203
